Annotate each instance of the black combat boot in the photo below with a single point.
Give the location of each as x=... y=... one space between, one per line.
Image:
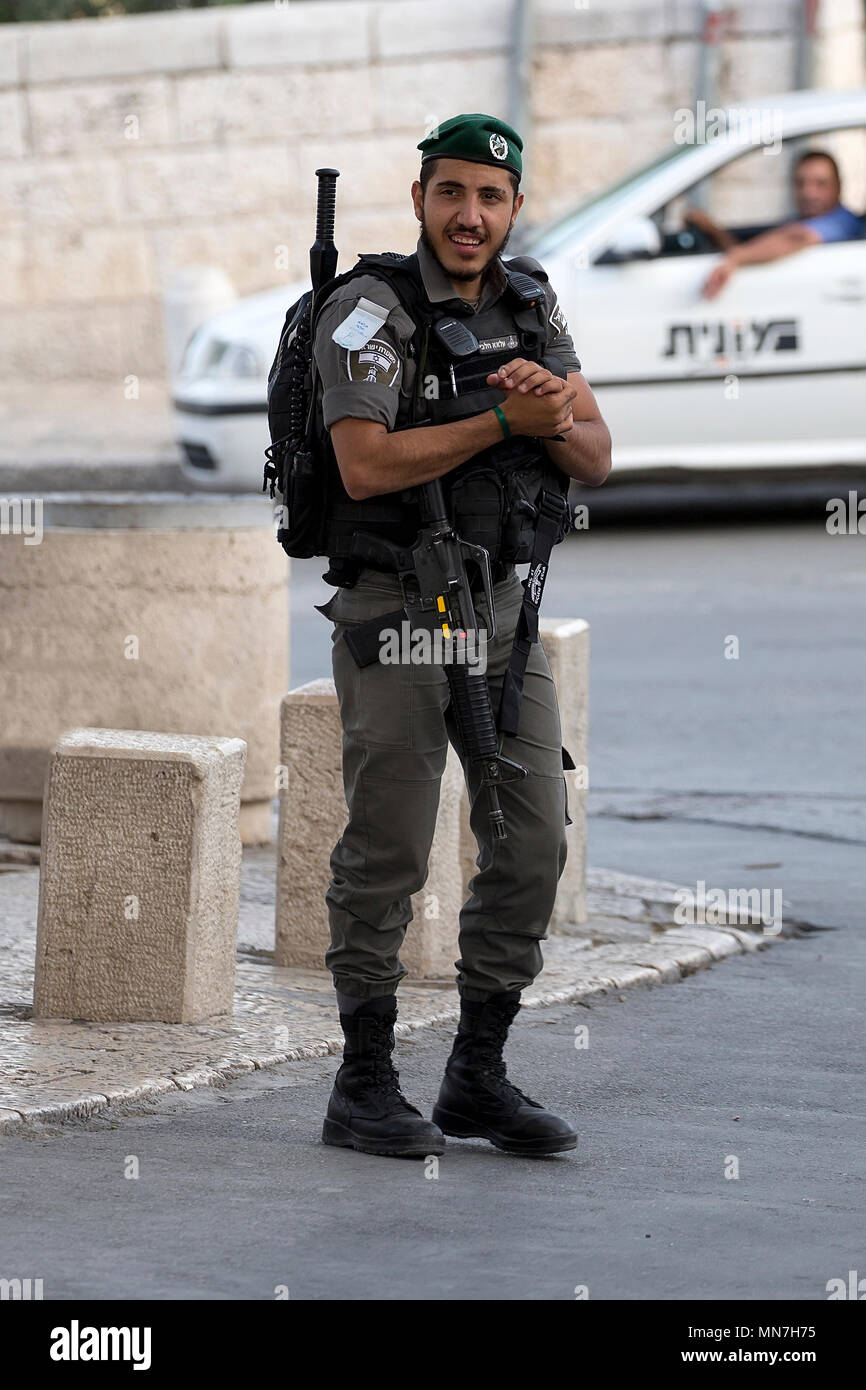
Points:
x=477 y=1100
x=367 y=1110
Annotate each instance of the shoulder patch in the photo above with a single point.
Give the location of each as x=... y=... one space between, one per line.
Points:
x=557 y=318
x=375 y=362
x=356 y=330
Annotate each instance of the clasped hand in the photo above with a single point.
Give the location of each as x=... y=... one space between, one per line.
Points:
x=536 y=401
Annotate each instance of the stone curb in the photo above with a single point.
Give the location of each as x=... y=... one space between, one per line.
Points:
x=158 y=471
x=600 y=970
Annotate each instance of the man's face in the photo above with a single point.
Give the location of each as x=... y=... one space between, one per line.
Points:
x=466 y=215
x=816 y=189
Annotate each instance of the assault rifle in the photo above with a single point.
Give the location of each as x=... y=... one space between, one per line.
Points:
x=443 y=606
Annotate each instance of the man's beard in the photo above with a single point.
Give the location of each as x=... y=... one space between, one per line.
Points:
x=462 y=274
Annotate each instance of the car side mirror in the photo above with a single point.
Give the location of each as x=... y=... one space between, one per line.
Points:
x=637 y=239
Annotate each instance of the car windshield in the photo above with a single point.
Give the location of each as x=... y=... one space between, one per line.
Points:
x=547 y=239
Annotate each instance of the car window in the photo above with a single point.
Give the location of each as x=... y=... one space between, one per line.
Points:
x=551 y=237
x=752 y=193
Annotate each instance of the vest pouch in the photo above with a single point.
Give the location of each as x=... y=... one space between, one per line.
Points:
x=477 y=507
x=521 y=498
x=301 y=518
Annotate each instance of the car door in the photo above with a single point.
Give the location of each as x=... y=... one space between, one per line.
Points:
x=794 y=336
x=652 y=351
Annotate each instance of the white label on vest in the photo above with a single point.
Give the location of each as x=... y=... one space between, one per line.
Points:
x=505 y=344
x=357 y=330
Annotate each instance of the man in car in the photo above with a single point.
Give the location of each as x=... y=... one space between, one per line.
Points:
x=489 y=425
x=822 y=218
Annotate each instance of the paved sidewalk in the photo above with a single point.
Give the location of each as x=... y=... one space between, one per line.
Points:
x=53 y=1069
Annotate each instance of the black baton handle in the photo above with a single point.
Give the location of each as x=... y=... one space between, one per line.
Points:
x=323 y=252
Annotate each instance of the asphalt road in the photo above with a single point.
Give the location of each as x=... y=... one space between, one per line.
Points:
x=744 y=772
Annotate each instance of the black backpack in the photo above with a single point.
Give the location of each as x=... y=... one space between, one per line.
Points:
x=292 y=465
x=298 y=462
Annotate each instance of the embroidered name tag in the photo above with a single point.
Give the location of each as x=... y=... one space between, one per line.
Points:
x=498 y=344
x=357 y=330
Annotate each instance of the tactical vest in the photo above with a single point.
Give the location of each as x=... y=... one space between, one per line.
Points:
x=495 y=498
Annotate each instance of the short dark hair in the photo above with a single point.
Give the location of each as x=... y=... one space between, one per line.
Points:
x=428 y=169
x=819 y=154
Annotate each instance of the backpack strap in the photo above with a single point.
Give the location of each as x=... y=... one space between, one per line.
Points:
x=401 y=272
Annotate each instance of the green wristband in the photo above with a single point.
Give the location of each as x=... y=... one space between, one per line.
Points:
x=500 y=415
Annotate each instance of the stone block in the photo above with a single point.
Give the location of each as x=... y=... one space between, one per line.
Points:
x=216 y=181
x=14 y=255
x=48 y=192
x=159 y=612
x=839 y=64
x=118 y=45
x=140 y=880
x=604 y=81
x=13 y=140
x=839 y=14
x=312 y=818
x=681 y=67
x=285 y=34
x=566 y=646
x=772 y=17
x=363 y=228
x=579 y=22
x=575 y=159
x=415 y=96
x=74 y=265
x=243 y=105
x=377 y=171
x=105 y=342
x=109 y=115
x=409 y=28
x=750 y=68
x=258 y=252
x=11 y=47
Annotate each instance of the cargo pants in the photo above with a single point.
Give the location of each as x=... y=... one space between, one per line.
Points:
x=397 y=724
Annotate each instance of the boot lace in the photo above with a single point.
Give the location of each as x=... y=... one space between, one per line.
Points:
x=381 y=1070
x=491 y=1063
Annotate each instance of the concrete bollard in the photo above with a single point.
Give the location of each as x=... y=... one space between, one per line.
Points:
x=566 y=646
x=140 y=882
x=313 y=814
x=312 y=818
x=152 y=611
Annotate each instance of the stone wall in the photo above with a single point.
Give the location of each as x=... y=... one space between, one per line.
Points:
x=131 y=147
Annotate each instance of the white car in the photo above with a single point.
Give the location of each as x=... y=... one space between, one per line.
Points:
x=771 y=373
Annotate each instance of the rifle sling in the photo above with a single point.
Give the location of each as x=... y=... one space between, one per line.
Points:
x=550 y=515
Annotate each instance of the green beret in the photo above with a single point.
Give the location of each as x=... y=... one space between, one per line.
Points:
x=478 y=138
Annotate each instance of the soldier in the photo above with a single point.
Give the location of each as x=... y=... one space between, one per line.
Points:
x=504 y=429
